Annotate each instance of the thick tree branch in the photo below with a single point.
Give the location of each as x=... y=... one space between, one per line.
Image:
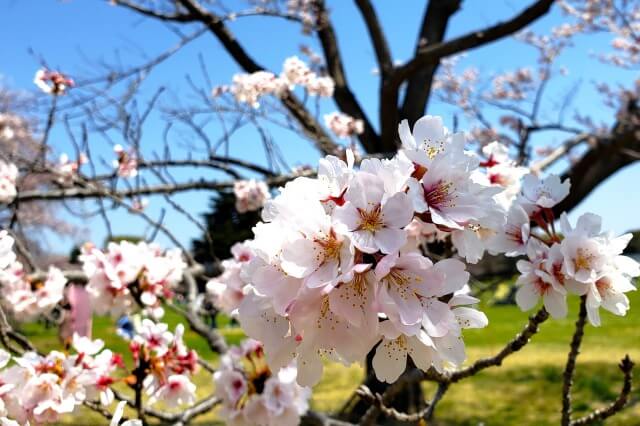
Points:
x=378 y=38
x=342 y=94
x=605 y=157
x=433 y=54
x=430 y=57
x=432 y=31
x=569 y=370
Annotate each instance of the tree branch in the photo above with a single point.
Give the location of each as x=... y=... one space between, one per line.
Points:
x=216 y=26
x=177 y=17
x=569 y=370
x=433 y=54
x=432 y=31
x=626 y=366
x=377 y=400
x=95 y=191
x=442 y=389
x=378 y=39
x=342 y=94
x=605 y=157
x=514 y=345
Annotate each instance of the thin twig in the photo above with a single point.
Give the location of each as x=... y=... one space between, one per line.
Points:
x=570 y=368
x=377 y=400
x=626 y=366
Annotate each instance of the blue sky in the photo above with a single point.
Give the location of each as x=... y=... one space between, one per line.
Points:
x=72 y=34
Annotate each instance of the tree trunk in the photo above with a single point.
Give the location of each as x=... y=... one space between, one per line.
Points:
x=408 y=400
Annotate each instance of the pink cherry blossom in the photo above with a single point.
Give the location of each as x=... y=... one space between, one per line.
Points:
x=371 y=223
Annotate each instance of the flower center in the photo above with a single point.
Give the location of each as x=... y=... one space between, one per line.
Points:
x=371 y=220
x=330 y=246
x=583 y=259
x=440 y=195
x=432 y=148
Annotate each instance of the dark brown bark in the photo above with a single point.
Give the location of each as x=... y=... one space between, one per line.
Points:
x=342 y=94
x=607 y=155
x=432 y=31
x=431 y=55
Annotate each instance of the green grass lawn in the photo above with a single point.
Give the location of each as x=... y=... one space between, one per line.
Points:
x=524 y=391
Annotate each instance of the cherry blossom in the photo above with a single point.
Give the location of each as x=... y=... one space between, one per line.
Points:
x=227 y=289
x=127 y=274
x=330 y=261
x=27 y=299
x=67 y=169
x=321 y=86
x=168 y=361
x=542 y=193
x=296 y=72
x=581 y=260
x=41 y=388
x=7 y=255
x=250 y=392
x=594 y=259
x=52 y=82
x=390 y=359
x=371 y=222
x=403 y=281
x=177 y=390
x=249 y=88
x=117 y=416
x=8 y=177
x=503 y=172
x=126 y=163
x=512 y=239
x=250 y=195
x=533 y=286
x=428 y=139
x=342 y=125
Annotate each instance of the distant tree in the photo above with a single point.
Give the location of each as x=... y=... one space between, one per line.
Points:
x=225 y=226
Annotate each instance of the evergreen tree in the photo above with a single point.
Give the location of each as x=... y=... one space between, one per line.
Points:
x=226 y=227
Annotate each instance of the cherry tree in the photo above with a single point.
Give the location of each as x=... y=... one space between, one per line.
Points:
x=341 y=266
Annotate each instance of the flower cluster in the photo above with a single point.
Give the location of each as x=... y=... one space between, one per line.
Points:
x=342 y=125
x=579 y=260
x=227 y=290
x=52 y=82
x=13 y=127
x=27 y=298
x=304 y=10
x=250 y=195
x=127 y=274
x=513 y=85
x=502 y=171
x=38 y=389
x=250 y=391
x=126 y=163
x=8 y=177
x=249 y=88
x=336 y=267
x=164 y=363
x=67 y=169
